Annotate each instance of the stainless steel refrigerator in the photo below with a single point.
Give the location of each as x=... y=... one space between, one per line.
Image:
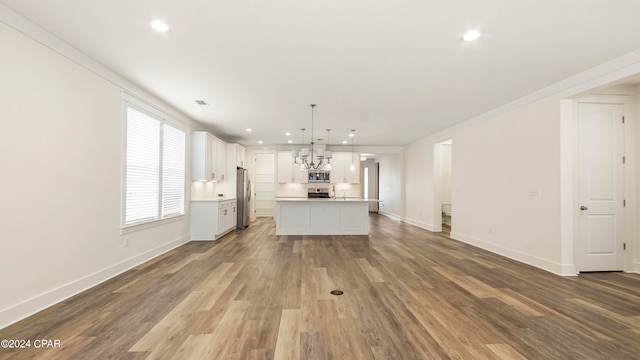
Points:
x=243 y=188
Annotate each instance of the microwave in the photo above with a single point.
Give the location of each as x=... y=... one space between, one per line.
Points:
x=319 y=176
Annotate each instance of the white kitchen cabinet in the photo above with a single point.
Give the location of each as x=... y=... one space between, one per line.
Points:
x=221 y=161
x=208 y=157
x=300 y=216
x=211 y=219
x=228 y=215
x=235 y=159
x=288 y=172
x=235 y=156
x=341 y=168
x=202 y=156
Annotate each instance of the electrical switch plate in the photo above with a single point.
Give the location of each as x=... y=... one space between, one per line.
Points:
x=534 y=192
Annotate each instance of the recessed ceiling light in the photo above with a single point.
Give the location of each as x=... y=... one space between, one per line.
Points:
x=290 y=141
x=287 y=134
x=345 y=142
x=471 y=35
x=259 y=141
x=159 y=25
x=248 y=130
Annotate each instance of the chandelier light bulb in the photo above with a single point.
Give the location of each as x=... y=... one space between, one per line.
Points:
x=471 y=35
x=159 y=25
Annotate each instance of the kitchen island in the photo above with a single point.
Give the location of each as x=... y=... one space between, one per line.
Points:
x=339 y=216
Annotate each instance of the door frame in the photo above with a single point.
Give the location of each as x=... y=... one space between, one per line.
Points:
x=252 y=176
x=437 y=182
x=569 y=180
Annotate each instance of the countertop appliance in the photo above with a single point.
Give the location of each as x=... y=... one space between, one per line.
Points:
x=316 y=176
x=318 y=193
x=243 y=194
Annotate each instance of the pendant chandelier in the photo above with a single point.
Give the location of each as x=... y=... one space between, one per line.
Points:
x=306 y=156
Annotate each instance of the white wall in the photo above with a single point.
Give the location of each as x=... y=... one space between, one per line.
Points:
x=390 y=185
x=445 y=166
x=636 y=204
x=506 y=185
x=61 y=148
x=508 y=190
x=419 y=184
x=496 y=164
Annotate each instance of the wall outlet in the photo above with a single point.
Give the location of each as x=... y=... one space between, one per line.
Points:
x=126 y=242
x=490 y=230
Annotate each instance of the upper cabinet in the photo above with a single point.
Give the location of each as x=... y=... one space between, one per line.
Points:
x=235 y=156
x=208 y=157
x=288 y=172
x=221 y=161
x=342 y=170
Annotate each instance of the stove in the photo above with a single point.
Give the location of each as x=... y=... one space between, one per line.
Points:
x=318 y=193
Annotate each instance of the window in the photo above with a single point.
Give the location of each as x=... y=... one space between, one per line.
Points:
x=172 y=171
x=366 y=182
x=154 y=168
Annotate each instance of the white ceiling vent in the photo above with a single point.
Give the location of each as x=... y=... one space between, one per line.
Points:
x=201 y=102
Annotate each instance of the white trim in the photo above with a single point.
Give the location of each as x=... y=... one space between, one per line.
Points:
x=152 y=110
x=568 y=191
x=607 y=73
x=31 y=306
x=423 y=225
x=389 y=215
x=130 y=101
x=569 y=175
x=151 y=224
x=437 y=183
x=544 y=264
x=35 y=32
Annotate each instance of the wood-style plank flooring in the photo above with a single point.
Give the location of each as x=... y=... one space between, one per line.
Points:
x=408 y=294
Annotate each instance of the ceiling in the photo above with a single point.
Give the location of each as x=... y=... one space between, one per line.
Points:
x=394 y=71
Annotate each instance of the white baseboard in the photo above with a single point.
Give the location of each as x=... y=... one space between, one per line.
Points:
x=423 y=225
x=635 y=267
x=389 y=215
x=544 y=264
x=29 y=307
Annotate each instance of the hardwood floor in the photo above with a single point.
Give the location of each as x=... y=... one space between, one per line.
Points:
x=408 y=294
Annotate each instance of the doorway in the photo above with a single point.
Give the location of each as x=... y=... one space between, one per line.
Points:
x=369 y=172
x=265 y=186
x=442 y=181
x=601 y=187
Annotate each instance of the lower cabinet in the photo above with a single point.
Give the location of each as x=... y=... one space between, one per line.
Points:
x=211 y=219
x=299 y=216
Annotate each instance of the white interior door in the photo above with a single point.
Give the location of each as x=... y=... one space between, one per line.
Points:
x=601 y=187
x=265 y=187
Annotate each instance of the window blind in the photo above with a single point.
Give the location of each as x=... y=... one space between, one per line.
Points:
x=142 y=167
x=173 y=168
x=154 y=168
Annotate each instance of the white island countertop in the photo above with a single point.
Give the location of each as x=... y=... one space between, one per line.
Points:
x=215 y=200
x=303 y=199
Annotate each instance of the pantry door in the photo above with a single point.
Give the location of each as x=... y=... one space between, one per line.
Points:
x=265 y=185
x=601 y=187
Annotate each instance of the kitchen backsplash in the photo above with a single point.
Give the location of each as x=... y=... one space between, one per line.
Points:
x=201 y=190
x=300 y=190
x=292 y=190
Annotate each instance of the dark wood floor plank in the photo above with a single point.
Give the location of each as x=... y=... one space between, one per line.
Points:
x=408 y=294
